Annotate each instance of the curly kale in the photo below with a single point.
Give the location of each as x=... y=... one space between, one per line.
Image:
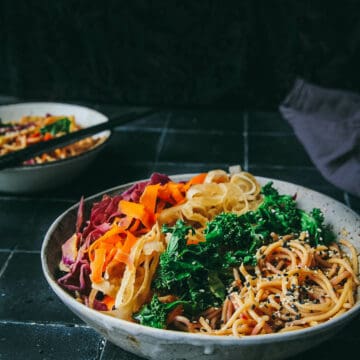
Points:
x=156 y=312
x=286 y=218
x=233 y=239
x=59 y=126
x=241 y=236
x=175 y=267
x=183 y=272
x=313 y=223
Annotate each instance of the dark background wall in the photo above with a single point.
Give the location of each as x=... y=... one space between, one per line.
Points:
x=242 y=54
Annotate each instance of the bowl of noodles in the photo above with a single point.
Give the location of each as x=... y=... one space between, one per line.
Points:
x=25 y=124
x=214 y=265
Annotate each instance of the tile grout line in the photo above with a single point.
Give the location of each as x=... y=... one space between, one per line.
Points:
x=246 y=141
x=134 y=128
x=161 y=141
x=101 y=348
x=282 y=167
x=272 y=133
x=28 y=198
x=7 y=261
x=45 y=324
x=183 y=131
x=24 y=251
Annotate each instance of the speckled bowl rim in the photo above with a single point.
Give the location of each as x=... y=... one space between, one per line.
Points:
x=107 y=134
x=183 y=337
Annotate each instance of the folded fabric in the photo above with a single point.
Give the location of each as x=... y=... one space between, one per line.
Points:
x=327 y=123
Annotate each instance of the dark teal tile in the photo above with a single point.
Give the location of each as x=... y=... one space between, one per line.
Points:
x=282 y=150
x=156 y=121
x=34 y=214
x=110 y=110
x=104 y=174
x=26 y=296
x=132 y=145
x=208 y=120
x=113 y=352
x=267 y=122
x=187 y=168
x=35 y=342
x=202 y=147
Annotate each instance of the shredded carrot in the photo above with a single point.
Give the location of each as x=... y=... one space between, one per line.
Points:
x=125 y=221
x=97 y=265
x=193 y=241
x=109 y=301
x=171 y=193
x=110 y=237
x=136 y=211
x=113 y=231
x=149 y=197
x=129 y=242
x=110 y=256
x=148 y=220
x=197 y=179
x=135 y=225
x=47 y=136
x=165 y=194
x=132 y=209
x=160 y=206
x=176 y=193
x=51 y=119
x=121 y=257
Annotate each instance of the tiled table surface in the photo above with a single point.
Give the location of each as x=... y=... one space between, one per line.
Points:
x=34 y=324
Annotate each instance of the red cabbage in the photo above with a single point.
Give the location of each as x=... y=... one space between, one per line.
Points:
x=70 y=250
x=101 y=212
x=101 y=215
x=134 y=192
x=78 y=278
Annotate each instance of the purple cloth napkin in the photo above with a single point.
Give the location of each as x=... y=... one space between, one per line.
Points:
x=327 y=123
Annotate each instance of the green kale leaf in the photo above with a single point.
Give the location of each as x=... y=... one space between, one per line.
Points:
x=313 y=223
x=183 y=272
x=156 y=312
x=59 y=126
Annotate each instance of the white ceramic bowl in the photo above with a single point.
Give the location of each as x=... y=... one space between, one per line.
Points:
x=34 y=178
x=165 y=344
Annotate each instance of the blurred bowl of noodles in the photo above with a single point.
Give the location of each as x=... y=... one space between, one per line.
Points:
x=160 y=344
x=25 y=123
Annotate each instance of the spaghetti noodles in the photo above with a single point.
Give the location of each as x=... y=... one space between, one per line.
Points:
x=293 y=286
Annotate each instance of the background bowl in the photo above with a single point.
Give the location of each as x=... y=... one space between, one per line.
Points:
x=34 y=178
x=165 y=344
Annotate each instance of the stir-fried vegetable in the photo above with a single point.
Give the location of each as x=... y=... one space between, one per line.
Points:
x=59 y=126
